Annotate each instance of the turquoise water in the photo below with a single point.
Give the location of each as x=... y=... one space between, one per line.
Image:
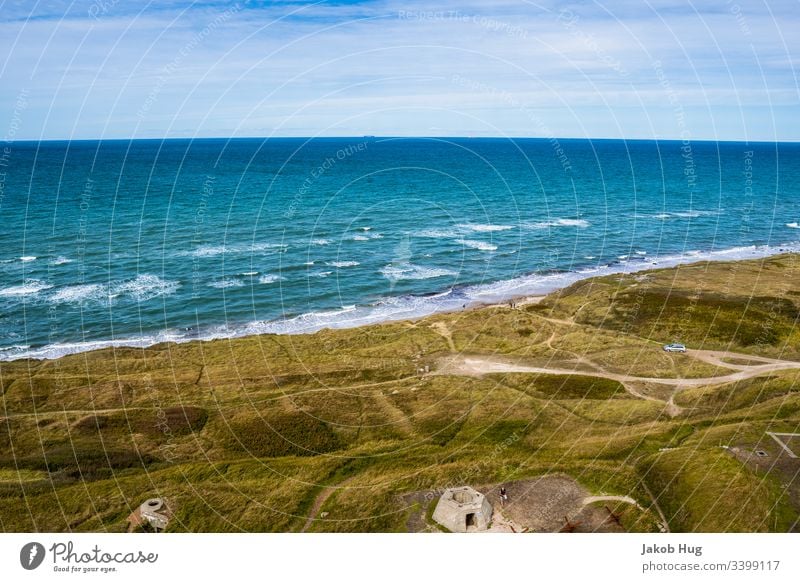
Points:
x=134 y=242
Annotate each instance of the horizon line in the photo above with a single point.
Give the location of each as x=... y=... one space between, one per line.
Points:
x=387 y=137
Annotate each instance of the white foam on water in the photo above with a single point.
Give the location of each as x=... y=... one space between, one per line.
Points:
x=411 y=272
x=485 y=227
x=143 y=288
x=320 y=274
x=19 y=348
x=27 y=259
x=320 y=242
x=80 y=294
x=478 y=245
x=332 y=312
x=542 y=284
x=58 y=350
x=409 y=306
x=366 y=236
x=562 y=222
x=226 y=283
x=205 y=251
x=793 y=225
x=208 y=251
x=268 y=278
x=343 y=264
x=680 y=214
x=60 y=261
x=695 y=213
x=390 y=309
x=436 y=233
x=29 y=287
x=250 y=274
x=459 y=230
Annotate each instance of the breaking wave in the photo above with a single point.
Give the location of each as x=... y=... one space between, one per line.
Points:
x=29 y=287
x=142 y=288
x=394 y=308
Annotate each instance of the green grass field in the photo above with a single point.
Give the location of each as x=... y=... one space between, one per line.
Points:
x=251 y=434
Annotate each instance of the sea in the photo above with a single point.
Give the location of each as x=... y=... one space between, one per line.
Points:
x=136 y=242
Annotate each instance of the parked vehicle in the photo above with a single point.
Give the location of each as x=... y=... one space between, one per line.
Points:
x=675 y=348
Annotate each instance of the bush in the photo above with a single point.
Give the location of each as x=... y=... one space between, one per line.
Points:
x=87 y=460
x=671 y=314
x=293 y=433
x=173 y=421
x=710 y=491
x=90 y=424
x=567 y=386
x=181 y=420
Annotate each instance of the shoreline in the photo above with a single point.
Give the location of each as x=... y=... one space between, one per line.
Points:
x=524 y=290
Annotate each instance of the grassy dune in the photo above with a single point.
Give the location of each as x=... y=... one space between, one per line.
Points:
x=248 y=434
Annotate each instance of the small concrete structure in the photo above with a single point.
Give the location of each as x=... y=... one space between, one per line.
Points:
x=462 y=509
x=153 y=511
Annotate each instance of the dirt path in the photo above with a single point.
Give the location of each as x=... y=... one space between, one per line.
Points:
x=567 y=322
x=716 y=358
x=479 y=365
x=87 y=411
x=622 y=498
x=320 y=501
x=502 y=524
x=664 y=522
x=630 y=390
x=441 y=328
x=549 y=341
x=528 y=300
x=222 y=405
x=398 y=418
x=673 y=409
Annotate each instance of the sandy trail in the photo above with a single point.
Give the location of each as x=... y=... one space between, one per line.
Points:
x=320 y=500
x=622 y=498
x=480 y=365
x=673 y=409
x=441 y=328
x=716 y=358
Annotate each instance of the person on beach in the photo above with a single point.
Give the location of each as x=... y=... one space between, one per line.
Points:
x=503 y=496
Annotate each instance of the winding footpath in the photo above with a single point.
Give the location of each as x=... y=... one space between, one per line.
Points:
x=480 y=365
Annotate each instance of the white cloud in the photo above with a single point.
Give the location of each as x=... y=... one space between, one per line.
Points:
x=370 y=68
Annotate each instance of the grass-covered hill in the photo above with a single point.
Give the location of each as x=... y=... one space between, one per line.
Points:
x=345 y=427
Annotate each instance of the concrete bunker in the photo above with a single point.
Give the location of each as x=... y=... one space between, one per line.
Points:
x=154 y=511
x=463 y=509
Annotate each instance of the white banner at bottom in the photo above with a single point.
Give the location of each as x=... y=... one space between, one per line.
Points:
x=355 y=557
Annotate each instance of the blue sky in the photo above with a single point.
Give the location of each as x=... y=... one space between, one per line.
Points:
x=624 y=68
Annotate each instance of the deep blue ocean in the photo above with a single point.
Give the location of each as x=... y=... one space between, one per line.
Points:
x=136 y=242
